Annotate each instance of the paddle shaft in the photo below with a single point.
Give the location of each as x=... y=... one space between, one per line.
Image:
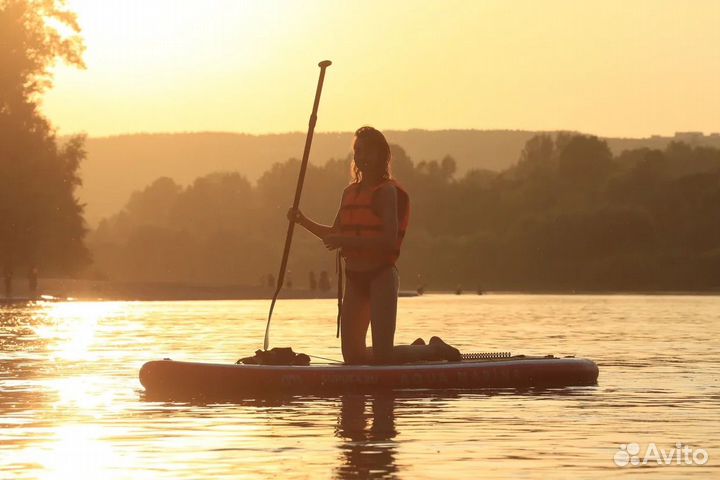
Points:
x=296 y=203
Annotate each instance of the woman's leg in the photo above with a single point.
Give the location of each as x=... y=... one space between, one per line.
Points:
x=383 y=314
x=354 y=323
x=383 y=318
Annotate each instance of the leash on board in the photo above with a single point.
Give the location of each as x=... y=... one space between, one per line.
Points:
x=328 y=359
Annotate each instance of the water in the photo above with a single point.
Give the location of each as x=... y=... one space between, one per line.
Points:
x=71 y=406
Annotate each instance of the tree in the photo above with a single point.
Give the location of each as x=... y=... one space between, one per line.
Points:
x=219 y=201
x=42 y=224
x=585 y=161
x=537 y=158
x=153 y=204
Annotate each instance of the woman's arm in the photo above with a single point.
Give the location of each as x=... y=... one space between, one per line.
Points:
x=317 y=229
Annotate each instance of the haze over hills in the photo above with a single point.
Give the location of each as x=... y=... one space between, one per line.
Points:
x=118 y=165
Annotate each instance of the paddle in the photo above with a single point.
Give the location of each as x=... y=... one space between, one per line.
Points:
x=298 y=190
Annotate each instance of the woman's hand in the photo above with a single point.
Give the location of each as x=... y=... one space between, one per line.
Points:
x=333 y=242
x=295 y=215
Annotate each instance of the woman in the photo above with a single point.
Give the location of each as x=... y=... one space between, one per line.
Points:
x=369 y=229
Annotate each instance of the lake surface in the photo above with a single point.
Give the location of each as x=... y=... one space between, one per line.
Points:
x=71 y=405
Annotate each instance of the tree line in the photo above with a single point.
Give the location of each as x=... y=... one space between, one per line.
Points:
x=41 y=222
x=569 y=215
x=107 y=186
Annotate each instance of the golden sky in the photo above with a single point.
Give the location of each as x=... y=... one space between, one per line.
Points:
x=612 y=68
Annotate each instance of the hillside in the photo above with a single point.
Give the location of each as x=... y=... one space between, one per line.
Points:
x=116 y=166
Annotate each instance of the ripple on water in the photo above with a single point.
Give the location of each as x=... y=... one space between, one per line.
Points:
x=72 y=407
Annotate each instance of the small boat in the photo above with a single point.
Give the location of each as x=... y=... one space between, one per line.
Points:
x=168 y=377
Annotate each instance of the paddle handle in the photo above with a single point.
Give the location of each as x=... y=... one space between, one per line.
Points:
x=298 y=191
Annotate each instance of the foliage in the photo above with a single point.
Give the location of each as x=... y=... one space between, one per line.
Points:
x=567 y=216
x=42 y=224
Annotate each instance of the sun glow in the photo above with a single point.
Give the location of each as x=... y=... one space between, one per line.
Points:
x=173 y=59
x=79 y=452
x=70 y=329
x=86 y=393
x=610 y=68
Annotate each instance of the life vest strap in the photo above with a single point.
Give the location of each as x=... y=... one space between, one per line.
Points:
x=352 y=227
x=368 y=253
x=355 y=206
x=358 y=226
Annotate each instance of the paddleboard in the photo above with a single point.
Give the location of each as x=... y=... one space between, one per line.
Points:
x=168 y=377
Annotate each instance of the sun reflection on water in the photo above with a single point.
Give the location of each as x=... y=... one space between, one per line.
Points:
x=85 y=394
x=69 y=329
x=84 y=414
x=80 y=452
x=74 y=336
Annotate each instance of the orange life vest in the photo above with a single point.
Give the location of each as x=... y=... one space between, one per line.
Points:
x=358 y=219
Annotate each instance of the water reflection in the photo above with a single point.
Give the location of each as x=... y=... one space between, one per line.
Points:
x=77 y=451
x=53 y=395
x=69 y=393
x=367 y=447
x=364 y=424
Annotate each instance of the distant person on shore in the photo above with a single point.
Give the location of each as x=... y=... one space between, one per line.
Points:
x=420 y=285
x=7 y=276
x=312 y=281
x=458 y=290
x=368 y=231
x=324 y=283
x=289 y=282
x=33 y=281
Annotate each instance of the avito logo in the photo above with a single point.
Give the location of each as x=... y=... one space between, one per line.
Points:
x=681 y=454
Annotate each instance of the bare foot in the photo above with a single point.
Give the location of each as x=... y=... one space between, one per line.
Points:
x=447 y=352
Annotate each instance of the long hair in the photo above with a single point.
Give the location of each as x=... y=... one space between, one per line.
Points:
x=376 y=142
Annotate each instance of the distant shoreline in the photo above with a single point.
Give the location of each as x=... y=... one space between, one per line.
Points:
x=95 y=290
